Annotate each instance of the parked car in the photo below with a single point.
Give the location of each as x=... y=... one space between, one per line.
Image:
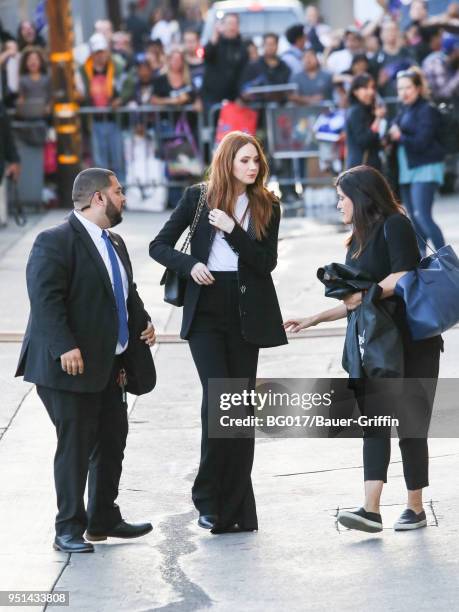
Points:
x=257 y=17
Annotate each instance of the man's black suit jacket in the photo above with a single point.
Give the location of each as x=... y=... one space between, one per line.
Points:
x=72 y=305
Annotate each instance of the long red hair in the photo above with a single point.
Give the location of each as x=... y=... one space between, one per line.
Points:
x=222 y=192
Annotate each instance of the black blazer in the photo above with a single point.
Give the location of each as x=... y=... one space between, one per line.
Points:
x=72 y=305
x=261 y=319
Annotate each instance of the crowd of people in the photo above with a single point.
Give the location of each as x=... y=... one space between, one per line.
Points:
x=230 y=305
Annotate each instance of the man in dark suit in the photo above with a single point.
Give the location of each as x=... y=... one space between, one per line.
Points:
x=87 y=342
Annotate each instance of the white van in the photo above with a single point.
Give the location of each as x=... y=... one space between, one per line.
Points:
x=257 y=17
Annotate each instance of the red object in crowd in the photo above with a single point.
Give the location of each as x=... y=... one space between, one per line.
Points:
x=235 y=117
x=50 y=157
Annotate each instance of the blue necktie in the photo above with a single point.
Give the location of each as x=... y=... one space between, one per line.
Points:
x=123 y=331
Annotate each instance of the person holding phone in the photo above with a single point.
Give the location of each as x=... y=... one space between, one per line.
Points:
x=364 y=122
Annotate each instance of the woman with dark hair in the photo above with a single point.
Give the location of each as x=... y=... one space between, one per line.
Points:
x=420 y=155
x=34 y=101
x=252 y=50
x=383 y=245
x=27 y=35
x=363 y=123
x=230 y=310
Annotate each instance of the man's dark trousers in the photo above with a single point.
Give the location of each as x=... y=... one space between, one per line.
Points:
x=91 y=434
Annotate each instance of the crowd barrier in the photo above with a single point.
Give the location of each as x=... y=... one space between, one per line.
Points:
x=303 y=143
x=30 y=138
x=158 y=150
x=155 y=150
x=168 y=147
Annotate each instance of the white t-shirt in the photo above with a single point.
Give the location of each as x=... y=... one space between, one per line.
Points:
x=168 y=33
x=339 y=61
x=222 y=258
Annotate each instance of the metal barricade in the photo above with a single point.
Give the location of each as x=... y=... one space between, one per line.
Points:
x=293 y=139
x=288 y=133
x=30 y=137
x=155 y=151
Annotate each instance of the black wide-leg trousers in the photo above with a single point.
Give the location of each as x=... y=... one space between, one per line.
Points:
x=91 y=433
x=223 y=485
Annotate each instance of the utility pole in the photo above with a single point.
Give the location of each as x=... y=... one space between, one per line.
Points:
x=65 y=111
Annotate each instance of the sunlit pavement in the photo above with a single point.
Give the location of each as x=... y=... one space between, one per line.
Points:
x=300 y=559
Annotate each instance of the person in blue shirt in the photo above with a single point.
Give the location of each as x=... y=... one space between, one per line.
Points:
x=293 y=56
x=314 y=84
x=420 y=155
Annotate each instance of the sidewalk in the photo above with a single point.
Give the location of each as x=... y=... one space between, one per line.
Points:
x=300 y=559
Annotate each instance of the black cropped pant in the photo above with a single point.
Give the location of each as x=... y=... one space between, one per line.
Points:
x=223 y=485
x=414 y=411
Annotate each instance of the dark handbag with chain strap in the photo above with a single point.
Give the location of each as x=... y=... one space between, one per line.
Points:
x=174 y=284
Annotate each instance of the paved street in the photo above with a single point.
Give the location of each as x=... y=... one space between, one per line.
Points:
x=300 y=559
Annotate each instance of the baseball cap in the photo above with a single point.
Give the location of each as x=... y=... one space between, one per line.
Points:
x=141 y=58
x=98 y=42
x=353 y=30
x=450 y=43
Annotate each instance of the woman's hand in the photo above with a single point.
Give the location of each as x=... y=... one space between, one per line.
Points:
x=380 y=111
x=353 y=300
x=220 y=220
x=395 y=132
x=201 y=275
x=297 y=324
x=13 y=171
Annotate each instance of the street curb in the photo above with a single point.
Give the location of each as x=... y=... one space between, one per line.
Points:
x=330 y=332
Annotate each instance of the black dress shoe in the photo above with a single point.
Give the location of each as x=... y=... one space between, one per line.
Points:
x=207 y=521
x=72 y=544
x=122 y=530
x=233 y=528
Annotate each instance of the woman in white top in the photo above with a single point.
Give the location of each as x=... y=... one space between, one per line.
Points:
x=230 y=311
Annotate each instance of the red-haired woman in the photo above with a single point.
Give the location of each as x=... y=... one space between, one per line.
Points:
x=230 y=310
